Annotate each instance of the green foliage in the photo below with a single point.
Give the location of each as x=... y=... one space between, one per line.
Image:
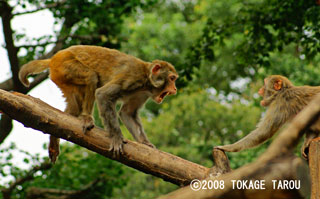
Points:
x=192 y=123
x=8 y=168
x=306 y=72
x=143 y=186
x=98 y=18
x=160 y=38
x=242 y=44
x=74 y=170
x=92 y=23
x=80 y=167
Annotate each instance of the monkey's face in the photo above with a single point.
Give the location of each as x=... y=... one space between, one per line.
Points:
x=169 y=89
x=163 y=78
x=272 y=86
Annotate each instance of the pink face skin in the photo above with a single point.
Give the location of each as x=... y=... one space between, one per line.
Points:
x=261 y=93
x=169 y=90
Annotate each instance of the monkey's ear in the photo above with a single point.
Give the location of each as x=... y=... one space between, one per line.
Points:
x=155 y=77
x=156 y=69
x=277 y=85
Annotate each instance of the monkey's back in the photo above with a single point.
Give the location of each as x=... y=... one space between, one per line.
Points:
x=292 y=100
x=105 y=62
x=97 y=57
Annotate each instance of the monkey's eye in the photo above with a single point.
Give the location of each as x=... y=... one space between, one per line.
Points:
x=172 y=78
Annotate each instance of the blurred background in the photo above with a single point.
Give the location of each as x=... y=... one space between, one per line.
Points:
x=221 y=49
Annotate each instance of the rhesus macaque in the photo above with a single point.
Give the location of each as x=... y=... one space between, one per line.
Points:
x=284 y=101
x=88 y=73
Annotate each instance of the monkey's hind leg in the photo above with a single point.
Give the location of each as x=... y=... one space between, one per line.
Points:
x=78 y=84
x=81 y=81
x=88 y=102
x=72 y=108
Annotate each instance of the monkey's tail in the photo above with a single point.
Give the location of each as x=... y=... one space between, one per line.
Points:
x=54 y=148
x=33 y=67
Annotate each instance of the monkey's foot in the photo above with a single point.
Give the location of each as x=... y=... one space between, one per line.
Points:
x=149 y=144
x=116 y=145
x=305 y=150
x=87 y=123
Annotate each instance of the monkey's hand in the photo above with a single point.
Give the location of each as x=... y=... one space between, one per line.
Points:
x=305 y=149
x=116 y=145
x=227 y=148
x=87 y=123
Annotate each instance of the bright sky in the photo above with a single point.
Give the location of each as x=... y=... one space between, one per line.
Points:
x=34 y=25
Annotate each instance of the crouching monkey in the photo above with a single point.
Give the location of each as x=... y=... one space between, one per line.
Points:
x=88 y=73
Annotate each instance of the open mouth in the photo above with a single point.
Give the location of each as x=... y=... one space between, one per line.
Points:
x=162 y=95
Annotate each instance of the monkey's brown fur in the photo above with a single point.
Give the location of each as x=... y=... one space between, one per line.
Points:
x=88 y=73
x=284 y=101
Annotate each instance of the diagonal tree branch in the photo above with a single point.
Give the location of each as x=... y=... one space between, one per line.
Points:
x=34 y=113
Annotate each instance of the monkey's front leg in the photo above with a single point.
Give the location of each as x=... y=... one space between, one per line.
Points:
x=106 y=97
x=130 y=118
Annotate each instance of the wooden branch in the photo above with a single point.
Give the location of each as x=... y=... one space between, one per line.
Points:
x=314 y=165
x=264 y=167
x=35 y=113
x=284 y=168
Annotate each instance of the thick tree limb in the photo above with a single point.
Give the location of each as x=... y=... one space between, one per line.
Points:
x=314 y=164
x=266 y=166
x=284 y=168
x=34 y=113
